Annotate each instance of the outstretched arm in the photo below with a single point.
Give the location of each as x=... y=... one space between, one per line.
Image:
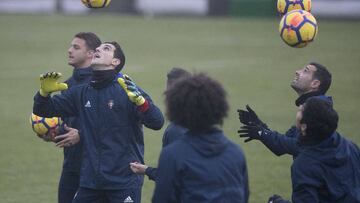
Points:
x=254 y=128
x=58 y=105
x=142 y=169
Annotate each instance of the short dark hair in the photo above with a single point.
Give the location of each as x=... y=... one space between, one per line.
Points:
x=175 y=74
x=323 y=75
x=119 y=54
x=197 y=102
x=320 y=118
x=92 y=41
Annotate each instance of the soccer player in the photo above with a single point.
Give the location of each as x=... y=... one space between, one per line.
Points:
x=80 y=54
x=200 y=166
x=172 y=133
x=327 y=169
x=311 y=81
x=112 y=112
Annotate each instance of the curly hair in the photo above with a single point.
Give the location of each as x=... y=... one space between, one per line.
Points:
x=197 y=102
x=320 y=118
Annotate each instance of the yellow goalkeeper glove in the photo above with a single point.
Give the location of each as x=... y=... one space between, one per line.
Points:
x=49 y=83
x=132 y=90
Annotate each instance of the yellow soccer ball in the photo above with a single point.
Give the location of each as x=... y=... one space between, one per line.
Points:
x=41 y=125
x=285 y=6
x=298 y=28
x=96 y=3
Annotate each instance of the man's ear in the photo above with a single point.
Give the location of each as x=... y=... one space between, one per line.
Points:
x=315 y=84
x=115 y=62
x=90 y=53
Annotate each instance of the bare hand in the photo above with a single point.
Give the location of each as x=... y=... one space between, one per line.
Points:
x=49 y=136
x=138 y=168
x=68 y=139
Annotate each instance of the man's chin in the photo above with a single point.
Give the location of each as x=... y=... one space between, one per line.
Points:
x=71 y=63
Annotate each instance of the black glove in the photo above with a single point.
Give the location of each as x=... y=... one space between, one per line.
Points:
x=253 y=132
x=277 y=199
x=249 y=117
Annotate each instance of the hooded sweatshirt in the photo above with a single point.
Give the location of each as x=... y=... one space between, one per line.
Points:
x=202 y=167
x=327 y=172
x=281 y=144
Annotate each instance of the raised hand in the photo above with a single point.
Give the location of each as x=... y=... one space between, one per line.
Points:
x=253 y=132
x=49 y=83
x=249 y=117
x=132 y=90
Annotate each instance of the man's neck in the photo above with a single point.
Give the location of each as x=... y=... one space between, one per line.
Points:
x=307 y=92
x=83 y=65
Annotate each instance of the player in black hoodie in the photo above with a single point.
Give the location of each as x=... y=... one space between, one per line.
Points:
x=327 y=170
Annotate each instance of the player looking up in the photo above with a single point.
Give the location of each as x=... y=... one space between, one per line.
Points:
x=311 y=81
x=112 y=112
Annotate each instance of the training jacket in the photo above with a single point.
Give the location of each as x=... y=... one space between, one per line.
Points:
x=202 y=168
x=281 y=144
x=73 y=154
x=111 y=126
x=328 y=172
x=172 y=133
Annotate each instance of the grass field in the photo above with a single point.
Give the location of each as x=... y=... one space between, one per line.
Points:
x=246 y=55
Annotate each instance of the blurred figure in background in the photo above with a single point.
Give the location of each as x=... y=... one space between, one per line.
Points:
x=172 y=133
x=80 y=55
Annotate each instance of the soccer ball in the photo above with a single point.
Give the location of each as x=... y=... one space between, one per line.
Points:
x=41 y=126
x=96 y=3
x=284 y=6
x=298 y=28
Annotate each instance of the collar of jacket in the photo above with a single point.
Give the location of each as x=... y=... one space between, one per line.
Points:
x=301 y=99
x=101 y=78
x=81 y=73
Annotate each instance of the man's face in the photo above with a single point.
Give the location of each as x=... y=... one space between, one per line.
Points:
x=104 y=56
x=79 y=55
x=304 y=81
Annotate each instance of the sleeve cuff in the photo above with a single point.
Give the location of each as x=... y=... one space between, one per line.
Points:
x=144 y=107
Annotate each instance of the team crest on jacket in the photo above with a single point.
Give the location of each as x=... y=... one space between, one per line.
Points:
x=111 y=104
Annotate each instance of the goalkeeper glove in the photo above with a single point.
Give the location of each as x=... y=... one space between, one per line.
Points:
x=132 y=90
x=49 y=83
x=249 y=117
x=253 y=132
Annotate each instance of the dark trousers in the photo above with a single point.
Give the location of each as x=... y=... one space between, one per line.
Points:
x=68 y=185
x=87 y=195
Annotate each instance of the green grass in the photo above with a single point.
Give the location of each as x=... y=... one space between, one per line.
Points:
x=246 y=55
